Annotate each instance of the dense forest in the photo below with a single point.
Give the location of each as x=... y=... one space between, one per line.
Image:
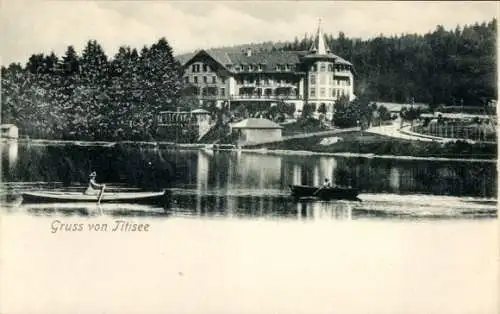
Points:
x=452 y=67
x=94 y=96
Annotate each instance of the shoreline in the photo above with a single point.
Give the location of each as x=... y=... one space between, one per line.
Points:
x=109 y=144
x=262 y=151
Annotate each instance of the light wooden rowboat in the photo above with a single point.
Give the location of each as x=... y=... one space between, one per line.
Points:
x=111 y=197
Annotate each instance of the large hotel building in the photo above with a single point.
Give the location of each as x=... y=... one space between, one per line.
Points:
x=316 y=76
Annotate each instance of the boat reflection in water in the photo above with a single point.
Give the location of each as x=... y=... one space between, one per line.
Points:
x=243 y=184
x=277 y=206
x=86 y=209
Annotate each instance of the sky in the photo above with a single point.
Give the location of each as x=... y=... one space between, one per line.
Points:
x=42 y=26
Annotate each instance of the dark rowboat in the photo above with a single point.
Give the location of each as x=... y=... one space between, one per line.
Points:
x=157 y=198
x=326 y=193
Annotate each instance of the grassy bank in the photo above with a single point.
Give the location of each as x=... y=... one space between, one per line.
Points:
x=303 y=126
x=370 y=143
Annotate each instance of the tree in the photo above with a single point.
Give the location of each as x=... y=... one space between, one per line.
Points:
x=322 y=108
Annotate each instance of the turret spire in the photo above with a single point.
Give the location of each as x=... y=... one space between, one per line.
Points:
x=319 y=45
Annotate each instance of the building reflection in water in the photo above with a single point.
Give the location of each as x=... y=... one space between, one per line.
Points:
x=201 y=177
x=259 y=171
x=326 y=170
x=11 y=151
x=320 y=210
x=394 y=179
x=297 y=175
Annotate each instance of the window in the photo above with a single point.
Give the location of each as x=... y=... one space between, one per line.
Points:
x=196 y=68
x=205 y=68
x=250 y=67
x=314 y=68
x=332 y=92
x=237 y=68
x=204 y=79
x=257 y=81
x=222 y=91
x=330 y=68
x=186 y=79
x=196 y=80
x=322 y=92
x=312 y=79
x=214 y=79
x=287 y=67
x=348 y=82
x=278 y=67
x=322 y=79
x=260 y=67
x=313 y=92
x=322 y=67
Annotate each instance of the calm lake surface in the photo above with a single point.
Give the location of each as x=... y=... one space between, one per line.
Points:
x=205 y=183
x=423 y=240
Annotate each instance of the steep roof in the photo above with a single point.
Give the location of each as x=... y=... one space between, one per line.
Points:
x=319 y=45
x=218 y=55
x=340 y=60
x=255 y=123
x=265 y=57
x=270 y=59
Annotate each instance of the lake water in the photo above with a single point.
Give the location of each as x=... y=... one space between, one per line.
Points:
x=423 y=239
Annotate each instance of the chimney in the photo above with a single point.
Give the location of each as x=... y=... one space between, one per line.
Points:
x=249 y=52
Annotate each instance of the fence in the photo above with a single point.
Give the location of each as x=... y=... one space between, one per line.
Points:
x=466 y=132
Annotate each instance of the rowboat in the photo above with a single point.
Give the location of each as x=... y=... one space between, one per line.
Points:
x=327 y=193
x=158 y=198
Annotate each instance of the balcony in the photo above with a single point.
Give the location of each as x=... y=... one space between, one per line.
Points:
x=250 y=97
x=342 y=72
x=265 y=97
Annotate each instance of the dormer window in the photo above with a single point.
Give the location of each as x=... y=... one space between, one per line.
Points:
x=260 y=67
x=237 y=68
x=278 y=67
x=287 y=67
x=250 y=67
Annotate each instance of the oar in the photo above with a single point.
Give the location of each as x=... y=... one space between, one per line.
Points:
x=317 y=191
x=100 y=194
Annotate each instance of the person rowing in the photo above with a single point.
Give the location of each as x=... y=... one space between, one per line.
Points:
x=327 y=183
x=94 y=188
